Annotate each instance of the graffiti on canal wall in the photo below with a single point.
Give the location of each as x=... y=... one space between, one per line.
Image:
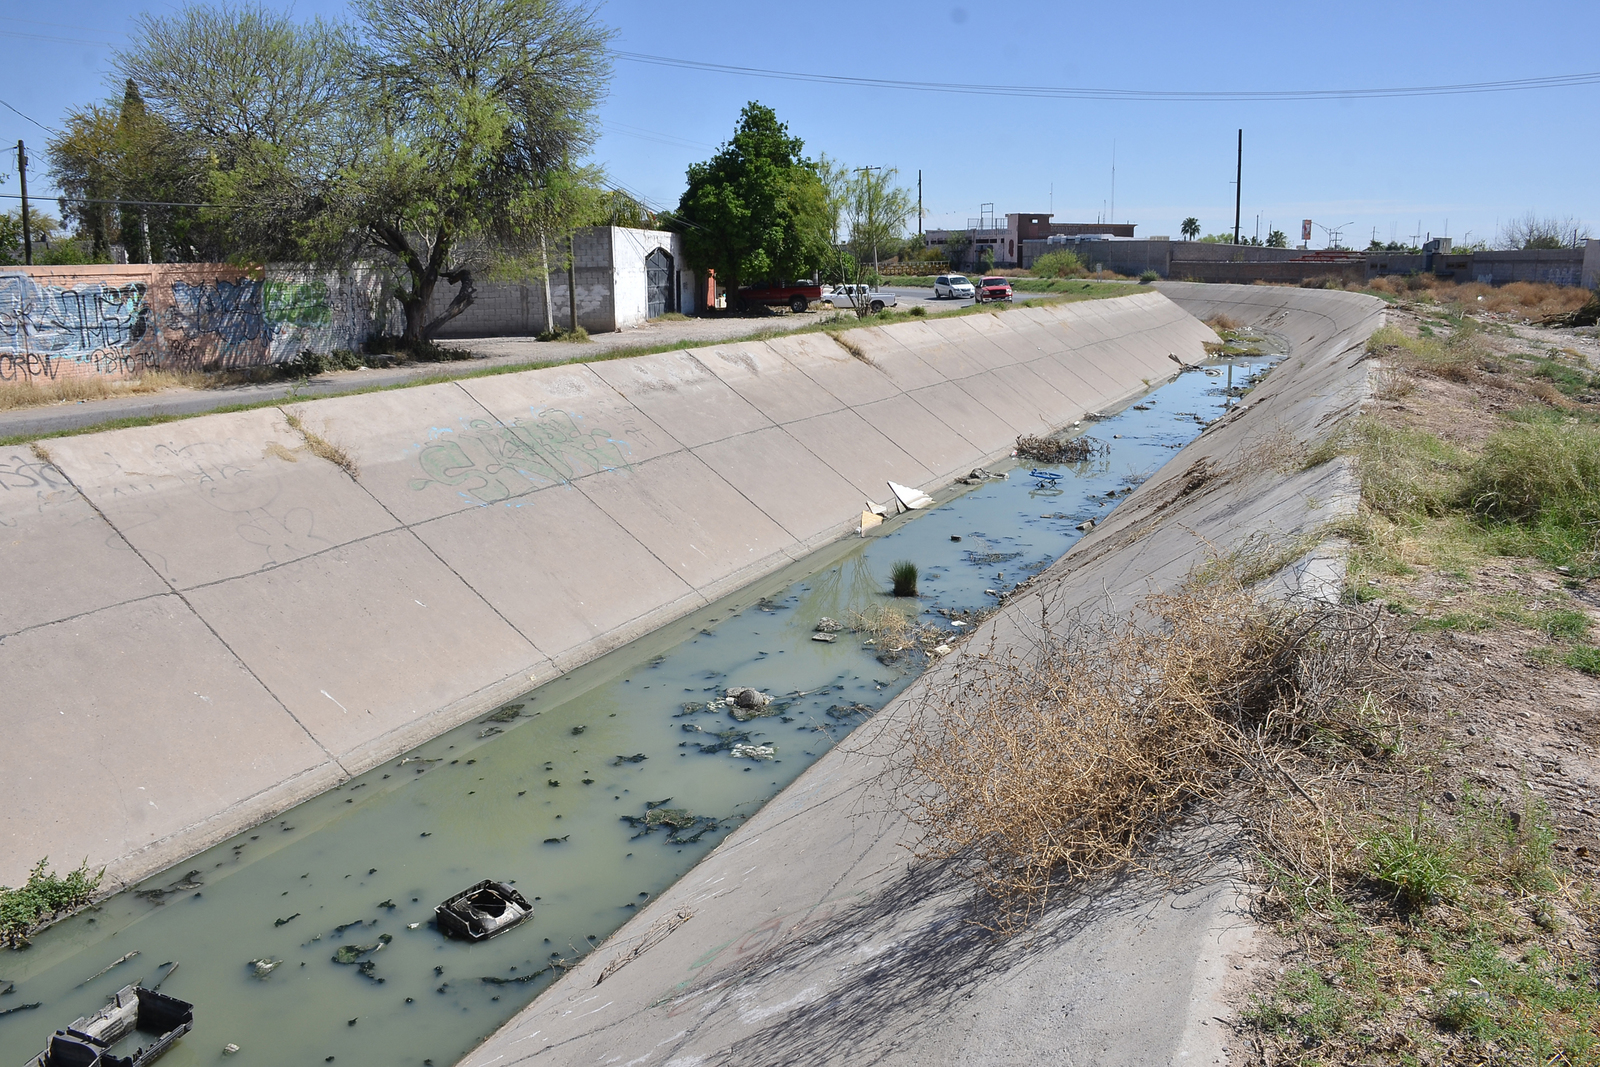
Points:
x=118 y=321
x=488 y=462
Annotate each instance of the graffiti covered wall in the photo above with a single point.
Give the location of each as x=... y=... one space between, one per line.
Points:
x=118 y=321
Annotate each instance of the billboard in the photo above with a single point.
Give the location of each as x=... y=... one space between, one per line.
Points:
x=1305 y=230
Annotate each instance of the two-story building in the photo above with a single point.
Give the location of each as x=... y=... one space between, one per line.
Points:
x=965 y=247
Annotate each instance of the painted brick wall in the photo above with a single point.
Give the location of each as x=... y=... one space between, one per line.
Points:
x=118 y=320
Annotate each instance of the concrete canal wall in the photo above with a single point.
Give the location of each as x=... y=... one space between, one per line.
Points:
x=203 y=622
x=806 y=938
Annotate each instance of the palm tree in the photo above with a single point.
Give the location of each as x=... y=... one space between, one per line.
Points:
x=1191 y=228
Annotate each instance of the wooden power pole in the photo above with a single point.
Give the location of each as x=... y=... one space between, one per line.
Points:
x=27 y=232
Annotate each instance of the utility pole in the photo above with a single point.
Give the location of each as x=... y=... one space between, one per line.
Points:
x=1238 y=191
x=919 y=202
x=27 y=233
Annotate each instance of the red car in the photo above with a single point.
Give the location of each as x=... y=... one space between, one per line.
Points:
x=993 y=289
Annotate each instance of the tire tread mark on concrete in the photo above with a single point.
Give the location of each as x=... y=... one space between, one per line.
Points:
x=175 y=591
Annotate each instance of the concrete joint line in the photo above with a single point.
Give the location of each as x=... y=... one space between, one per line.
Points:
x=175 y=591
x=80 y=615
x=442 y=562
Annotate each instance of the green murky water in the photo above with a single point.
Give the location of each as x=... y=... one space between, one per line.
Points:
x=553 y=792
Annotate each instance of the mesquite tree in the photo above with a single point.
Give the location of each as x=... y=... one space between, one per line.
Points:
x=435 y=138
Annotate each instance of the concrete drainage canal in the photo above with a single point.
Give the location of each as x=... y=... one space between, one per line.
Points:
x=311 y=938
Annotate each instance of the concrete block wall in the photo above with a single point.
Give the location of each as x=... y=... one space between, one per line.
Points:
x=610 y=281
x=203 y=623
x=116 y=321
x=1349 y=273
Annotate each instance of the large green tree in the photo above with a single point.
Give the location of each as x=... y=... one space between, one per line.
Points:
x=435 y=138
x=126 y=176
x=756 y=210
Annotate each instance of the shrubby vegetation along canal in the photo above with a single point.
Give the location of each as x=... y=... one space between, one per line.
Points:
x=309 y=939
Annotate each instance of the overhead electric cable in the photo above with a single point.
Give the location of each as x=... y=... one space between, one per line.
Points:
x=47 y=37
x=30 y=118
x=1555 y=81
x=123 y=203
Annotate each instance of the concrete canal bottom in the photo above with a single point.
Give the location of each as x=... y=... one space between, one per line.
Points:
x=309 y=939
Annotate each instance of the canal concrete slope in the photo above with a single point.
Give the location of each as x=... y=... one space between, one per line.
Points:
x=207 y=621
x=809 y=938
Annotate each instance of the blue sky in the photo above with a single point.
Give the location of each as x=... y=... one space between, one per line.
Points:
x=1457 y=164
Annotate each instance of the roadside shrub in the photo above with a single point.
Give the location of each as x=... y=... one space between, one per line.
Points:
x=1058 y=265
x=1062 y=761
x=1540 y=472
x=424 y=351
x=576 y=335
x=1148 y=276
x=904 y=576
x=43 y=897
x=918 y=311
x=309 y=364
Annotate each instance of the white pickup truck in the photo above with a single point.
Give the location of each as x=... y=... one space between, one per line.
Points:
x=854 y=296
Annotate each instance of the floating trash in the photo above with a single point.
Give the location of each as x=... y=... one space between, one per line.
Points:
x=483 y=910
x=264 y=966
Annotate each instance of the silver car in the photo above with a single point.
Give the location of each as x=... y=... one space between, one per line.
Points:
x=956 y=286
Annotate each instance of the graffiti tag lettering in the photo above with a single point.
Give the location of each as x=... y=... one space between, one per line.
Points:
x=492 y=461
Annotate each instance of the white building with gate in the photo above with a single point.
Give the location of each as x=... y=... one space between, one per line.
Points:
x=621 y=277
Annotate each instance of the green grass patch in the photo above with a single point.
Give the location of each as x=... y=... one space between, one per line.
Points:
x=1459 y=621
x=1563 y=623
x=1570 y=380
x=1415 y=865
x=1458 y=957
x=1585 y=658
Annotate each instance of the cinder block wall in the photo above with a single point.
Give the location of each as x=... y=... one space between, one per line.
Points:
x=610 y=280
x=118 y=320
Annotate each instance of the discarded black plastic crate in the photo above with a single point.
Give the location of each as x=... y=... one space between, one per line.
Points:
x=89 y=1041
x=486 y=909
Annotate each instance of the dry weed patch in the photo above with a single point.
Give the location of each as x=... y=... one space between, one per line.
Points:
x=1062 y=763
x=321 y=447
x=1533 y=300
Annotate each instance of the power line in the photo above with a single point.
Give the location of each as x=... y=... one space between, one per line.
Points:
x=30 y=118
x=48 y=37
x=1557 y=81
x=123 y=203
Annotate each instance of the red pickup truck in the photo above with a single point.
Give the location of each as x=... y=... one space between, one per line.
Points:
x=797 y=295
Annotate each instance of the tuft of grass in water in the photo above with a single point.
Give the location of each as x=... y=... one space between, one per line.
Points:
x=43 y=897
x=904 y=576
